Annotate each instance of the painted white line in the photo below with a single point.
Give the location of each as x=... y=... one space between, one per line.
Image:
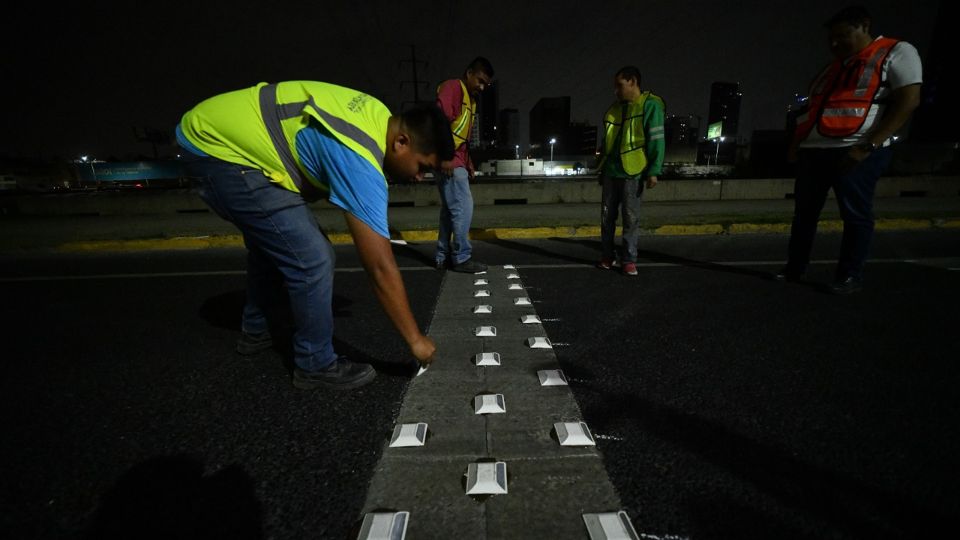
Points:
x=351 y=269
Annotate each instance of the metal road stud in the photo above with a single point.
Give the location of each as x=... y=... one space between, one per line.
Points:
x=489 y=404
x=539 y=343
x=509 y=267
x=552 y=377
x=487 y=478
x=610 y=526
x=480 y=293
x=530 y=319
x=521 y=301
x=384 y=526
x=483 y=308
x=574 y=434
x=487 y=359
x=486 y=331
x=481 y=282
x=515 y=287
x=513 y=276
x=405 y=435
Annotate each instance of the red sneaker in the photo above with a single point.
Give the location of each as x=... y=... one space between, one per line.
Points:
x=630 y=268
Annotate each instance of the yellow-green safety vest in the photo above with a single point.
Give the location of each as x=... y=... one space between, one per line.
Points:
x=257 y=127
x=632 y=149
x=460 y=126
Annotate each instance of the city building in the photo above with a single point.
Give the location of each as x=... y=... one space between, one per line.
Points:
x=508 y=130
x=486 y=121
x=725 y=111
x=549 y=119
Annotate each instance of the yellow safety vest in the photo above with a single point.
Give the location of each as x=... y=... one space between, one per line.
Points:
x=632 y=148
x=257 y=127
x=460 y=126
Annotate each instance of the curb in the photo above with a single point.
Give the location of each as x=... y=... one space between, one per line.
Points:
x=498 y=233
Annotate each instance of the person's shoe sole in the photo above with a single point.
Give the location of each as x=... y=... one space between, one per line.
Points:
x=248 y=347
x=312 y=384
x=844 y=290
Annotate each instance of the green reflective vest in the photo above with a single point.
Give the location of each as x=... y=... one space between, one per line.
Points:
x=257 y=127
x=632 y=139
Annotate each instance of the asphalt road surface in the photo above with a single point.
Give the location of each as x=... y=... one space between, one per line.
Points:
x=724 y=404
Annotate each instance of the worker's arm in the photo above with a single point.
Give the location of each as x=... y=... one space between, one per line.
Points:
x=903 y=101
x=376 y=255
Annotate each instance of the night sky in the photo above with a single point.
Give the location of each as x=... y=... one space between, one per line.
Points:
x=78 y=78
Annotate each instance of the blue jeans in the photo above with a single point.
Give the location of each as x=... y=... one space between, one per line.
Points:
x=818 y=170
x=285 y=246
x=456 y=213
x=621 y=195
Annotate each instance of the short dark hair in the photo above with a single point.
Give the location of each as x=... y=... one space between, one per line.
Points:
x=480 y=64
x=852 y=15
x=629 y=72
x=430 y=130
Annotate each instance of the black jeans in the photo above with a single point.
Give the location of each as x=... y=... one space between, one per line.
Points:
x=818 y=170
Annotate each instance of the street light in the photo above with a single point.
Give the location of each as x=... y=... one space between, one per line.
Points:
x=716 y=158
x=552 y=142
x=517 y=149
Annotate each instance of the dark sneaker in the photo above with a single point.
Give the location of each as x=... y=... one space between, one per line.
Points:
x=847 y=285
x=440 y=265
x=342 y=374
x=470 y=266
x=630 y=268
x=605 y=264
x=249 y=344
x=787 y=274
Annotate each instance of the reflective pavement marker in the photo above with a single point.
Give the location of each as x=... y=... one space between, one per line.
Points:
x=409 y=435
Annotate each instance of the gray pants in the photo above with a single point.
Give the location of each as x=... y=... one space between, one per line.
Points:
x=620 y=195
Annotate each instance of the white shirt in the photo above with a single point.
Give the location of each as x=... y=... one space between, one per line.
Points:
x=902 y=67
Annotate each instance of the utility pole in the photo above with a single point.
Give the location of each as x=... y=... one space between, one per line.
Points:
x=416 y=82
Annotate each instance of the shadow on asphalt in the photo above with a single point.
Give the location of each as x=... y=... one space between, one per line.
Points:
x=225 y=310
x=527 y=248
x=848 y=504
x=172 y=497
x=660 y=257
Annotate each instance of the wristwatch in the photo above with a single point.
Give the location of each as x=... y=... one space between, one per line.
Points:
x=867 y=146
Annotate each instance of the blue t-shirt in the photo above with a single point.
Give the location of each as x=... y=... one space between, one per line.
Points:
x=355 y=184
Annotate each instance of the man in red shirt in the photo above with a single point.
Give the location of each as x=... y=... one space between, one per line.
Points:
x=457 y=99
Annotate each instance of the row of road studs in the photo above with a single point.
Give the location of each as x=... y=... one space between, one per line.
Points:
x=500 y=289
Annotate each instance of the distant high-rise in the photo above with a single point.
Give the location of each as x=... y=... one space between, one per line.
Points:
x=725 y=106
x=681 y=130
x=936 y=119
x=580 y=138
x=487 y=110
x=508 y=129
x=549 y=118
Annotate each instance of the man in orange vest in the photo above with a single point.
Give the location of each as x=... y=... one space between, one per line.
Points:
x=842 y=140
x=457 y=99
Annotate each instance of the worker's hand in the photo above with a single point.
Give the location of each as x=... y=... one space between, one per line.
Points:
x=792 y=154
x=447 y=167
x=651 y=182
x=858 y=153
x=423 y=349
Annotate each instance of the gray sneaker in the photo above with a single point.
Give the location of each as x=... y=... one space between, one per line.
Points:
x=248 y=344
x=469 y=266
x=342 y=374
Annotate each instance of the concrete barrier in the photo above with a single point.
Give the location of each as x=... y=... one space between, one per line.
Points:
x=486 y=191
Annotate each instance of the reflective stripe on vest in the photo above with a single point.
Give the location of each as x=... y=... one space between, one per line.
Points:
x=274 y=114
x=839 y=104
x=632 y=148
x=460 y=126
